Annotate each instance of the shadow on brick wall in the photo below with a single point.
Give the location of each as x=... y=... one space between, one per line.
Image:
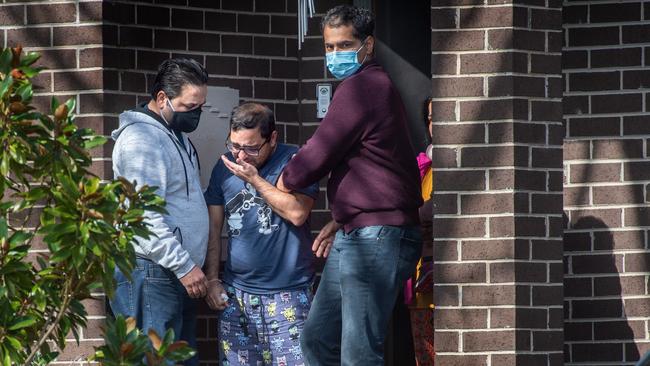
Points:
x=596 y=324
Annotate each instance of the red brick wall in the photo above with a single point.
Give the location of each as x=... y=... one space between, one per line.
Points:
x=244 y=44
x=68 y=34
x=497 y=139
x=105 y=54
x=607 y=258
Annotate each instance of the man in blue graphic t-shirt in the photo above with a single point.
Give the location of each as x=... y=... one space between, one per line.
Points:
x=265 y=291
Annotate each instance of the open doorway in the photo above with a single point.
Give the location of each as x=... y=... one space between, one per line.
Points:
x=405 y=53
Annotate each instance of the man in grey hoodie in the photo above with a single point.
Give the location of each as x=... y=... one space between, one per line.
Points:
x=151 y=148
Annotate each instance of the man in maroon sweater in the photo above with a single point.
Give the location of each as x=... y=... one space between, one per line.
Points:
x=374 y=195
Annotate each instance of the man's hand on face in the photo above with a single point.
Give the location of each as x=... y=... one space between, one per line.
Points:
x=242 y=169
x=217 y=297
x=195 y=283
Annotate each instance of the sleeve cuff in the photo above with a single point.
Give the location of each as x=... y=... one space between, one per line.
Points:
x=184 y=269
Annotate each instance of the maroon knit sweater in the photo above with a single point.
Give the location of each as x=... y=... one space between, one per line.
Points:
x=364 y=143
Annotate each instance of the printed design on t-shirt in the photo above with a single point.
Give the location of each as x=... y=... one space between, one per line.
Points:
x=243 y=202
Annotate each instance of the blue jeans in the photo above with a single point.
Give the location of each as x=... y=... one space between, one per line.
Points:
x=364 y=272
x=158 y=301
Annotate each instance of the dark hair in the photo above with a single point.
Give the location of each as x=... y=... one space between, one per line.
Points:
x=361 y=20
x=252 y=115
x=426 y=110
x=175 y=73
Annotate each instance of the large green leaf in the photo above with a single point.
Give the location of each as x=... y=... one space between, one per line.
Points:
x=94 y=142
x=29 y=58
x=5 y=84
x=5 y=60
x=25 y=92
x=22 y=322
x=4 y=230
x=19 y=238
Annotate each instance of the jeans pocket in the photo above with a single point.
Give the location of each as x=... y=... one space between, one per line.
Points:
x=412 y=235
x=156 y=273
x=366 y=233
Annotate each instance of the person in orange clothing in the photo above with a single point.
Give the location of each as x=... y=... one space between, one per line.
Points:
x=419 y=290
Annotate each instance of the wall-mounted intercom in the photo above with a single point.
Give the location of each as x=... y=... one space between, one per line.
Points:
x=323 y=97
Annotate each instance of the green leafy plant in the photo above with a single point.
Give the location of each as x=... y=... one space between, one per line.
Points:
x=126 y=345
x=50 y=200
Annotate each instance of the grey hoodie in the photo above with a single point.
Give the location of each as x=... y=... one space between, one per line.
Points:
x=148 y=152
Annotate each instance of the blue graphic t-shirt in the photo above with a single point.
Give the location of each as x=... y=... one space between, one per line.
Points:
x=266 y=254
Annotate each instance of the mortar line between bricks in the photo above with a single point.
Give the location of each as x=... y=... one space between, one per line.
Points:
x=224 y=11
x=600 y=2
x=501 y=215
x=496 y=121
x=62 y=47
x=498 y=98
x=602 y=341
x=615 y=298
x=620 y=114
x=53 y=2
x=498 y=167
x=495 y=74
x=496 y=51
x=501 y=261
x=479 y=29
x=597 y=70
x=604 y=230
x=51 y=25
x=483 y=144
x=604 y=24
x=512 y=352
x=207 y=54
x=605 y=275
x=607 y=184
x=604 y=47
x=207 y=31
x=492 y=6
x=638 y=91
x=471 y=240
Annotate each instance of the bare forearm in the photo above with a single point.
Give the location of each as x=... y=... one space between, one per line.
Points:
x=288 y=205
x=213 y=258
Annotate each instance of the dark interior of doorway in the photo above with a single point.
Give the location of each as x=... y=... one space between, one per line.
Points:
x=403 y=32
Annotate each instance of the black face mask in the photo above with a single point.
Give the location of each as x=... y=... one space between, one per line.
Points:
x=184 y=121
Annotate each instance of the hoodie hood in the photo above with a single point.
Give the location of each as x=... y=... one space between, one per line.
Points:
x=140 y=115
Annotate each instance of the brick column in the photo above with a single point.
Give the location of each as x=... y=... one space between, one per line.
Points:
x=496 y=80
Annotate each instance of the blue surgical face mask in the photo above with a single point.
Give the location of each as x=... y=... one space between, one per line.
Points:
x=344 y=63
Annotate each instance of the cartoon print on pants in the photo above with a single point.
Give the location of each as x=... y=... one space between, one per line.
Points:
x=294 y=334
x=267 y=357
x=282 y=361
x=302 y=298
x=290 y=314
x=277 y=343
x=225 y=327
x=271 y=308
x=227 y=346
x=275 y=326
x=242 y=355
x=296 y=352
